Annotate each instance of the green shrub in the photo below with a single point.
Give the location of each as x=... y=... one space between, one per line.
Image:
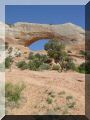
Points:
x=22 y=65
x=13 y=92
x=42 y=58
x=62 y=93
x=69 y=97
x=71 y=66
x=56 y=67
x=8 y=62
x=34 y=65
x=68 y=64
x=55 y=50
x=71 y=104
x=84 y=68
x=82 y=52
x=31 y=56
x=44 y=66
x=38 y=62
x=52 y=94
x=49 y=100
x=87 y=56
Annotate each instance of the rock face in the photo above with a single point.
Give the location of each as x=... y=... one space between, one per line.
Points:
x=25 y=34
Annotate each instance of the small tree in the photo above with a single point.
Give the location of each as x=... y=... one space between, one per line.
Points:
x=56 y=51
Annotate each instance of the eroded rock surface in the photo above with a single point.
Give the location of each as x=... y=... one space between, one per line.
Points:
x=25 y=34
x=22 y=33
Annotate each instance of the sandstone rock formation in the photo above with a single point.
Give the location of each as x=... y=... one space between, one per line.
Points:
x=25 y=34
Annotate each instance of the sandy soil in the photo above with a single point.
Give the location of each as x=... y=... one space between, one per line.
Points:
x=38 y=88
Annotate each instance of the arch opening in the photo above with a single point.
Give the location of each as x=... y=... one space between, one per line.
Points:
x=38 y=45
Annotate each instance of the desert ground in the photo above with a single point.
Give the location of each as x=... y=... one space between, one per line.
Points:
x=40 y=86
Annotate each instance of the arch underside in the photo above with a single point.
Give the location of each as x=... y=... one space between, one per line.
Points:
x=33 y=37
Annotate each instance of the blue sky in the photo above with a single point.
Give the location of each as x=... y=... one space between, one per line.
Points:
x=49 y=14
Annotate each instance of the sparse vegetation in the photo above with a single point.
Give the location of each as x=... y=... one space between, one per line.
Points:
x=86 y=54
x=56 y=51
x=62 y=93
x=56 y=67
x=13 y=92
x=70 y=65
x=49 y=100
x=65 y=110
x=41 y=58
x=65 y=107
x=22 y=64
x=34 y=64
x=71 y=104
x=8 y=62
x=52 y=94
x=69 y=97
x=45 y=66
x=84 y=68
x=83 y=53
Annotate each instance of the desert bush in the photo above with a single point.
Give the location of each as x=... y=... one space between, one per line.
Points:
x=82 y=52
x=70 y=65
x=44 y=66
x=84 y=68
x=42 y=58
x=87 y=56
x=69 y=97
x=55 y=50
x=13 y=92
x=56 y=67
x=52 y=94
x=8 y=62
x=22 y=65
x=49 y=100
x=38 y=62
x=34 y=64
x=62 y=93
x=81 y=68
x=71 y=104
x=31 y=56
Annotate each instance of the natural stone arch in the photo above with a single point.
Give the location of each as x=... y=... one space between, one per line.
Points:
x=25 y=34
x=36 y=36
